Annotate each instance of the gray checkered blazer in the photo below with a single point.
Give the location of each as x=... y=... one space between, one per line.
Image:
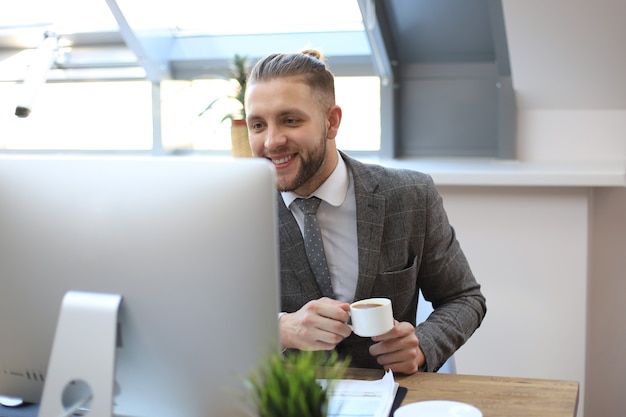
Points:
x=405 y=244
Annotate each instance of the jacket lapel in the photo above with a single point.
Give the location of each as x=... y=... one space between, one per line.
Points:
x=293 y=252
x=370 y=211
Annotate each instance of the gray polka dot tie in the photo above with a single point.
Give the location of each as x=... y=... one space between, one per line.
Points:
x=313 y=244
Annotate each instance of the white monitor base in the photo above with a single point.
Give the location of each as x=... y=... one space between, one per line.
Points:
x=82 y=362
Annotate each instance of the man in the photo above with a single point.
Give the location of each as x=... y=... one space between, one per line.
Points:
x=385 y=232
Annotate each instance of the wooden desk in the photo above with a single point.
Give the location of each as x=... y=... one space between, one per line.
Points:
x=494 y=396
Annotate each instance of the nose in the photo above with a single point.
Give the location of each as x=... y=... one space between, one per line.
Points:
x=274 y=137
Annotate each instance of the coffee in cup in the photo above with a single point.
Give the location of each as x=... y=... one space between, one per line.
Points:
x=367 y=305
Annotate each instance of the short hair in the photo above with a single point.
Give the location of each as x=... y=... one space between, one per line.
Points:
x=308 y=65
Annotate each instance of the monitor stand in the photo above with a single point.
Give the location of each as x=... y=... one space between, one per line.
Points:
x=81 y=369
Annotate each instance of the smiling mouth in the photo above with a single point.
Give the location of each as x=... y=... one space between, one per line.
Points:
x=283 y=160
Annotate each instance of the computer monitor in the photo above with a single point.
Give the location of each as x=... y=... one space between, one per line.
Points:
x=189 y=243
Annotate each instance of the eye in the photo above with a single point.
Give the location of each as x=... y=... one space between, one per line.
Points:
x=256 y=126
x=291 y=121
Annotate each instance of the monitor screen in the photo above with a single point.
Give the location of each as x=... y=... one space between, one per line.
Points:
x=189 y=243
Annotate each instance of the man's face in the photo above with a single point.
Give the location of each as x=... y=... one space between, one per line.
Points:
x=287 y=125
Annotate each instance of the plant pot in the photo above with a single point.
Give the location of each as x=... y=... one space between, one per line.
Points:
x=239 y=139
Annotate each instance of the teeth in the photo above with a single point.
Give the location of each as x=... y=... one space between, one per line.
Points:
x=282 y=160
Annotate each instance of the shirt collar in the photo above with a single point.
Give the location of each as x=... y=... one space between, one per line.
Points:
x=333 y=190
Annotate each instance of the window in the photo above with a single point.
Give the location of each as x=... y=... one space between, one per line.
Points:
x=183 y=101
x=451 y=94
x=117 y=116
x=101 y=110
x=359 y=98
x=79 y=116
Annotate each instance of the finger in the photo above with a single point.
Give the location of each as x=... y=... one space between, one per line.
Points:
x=320 y=328
x=319 y=339
x=337 y=327
x=395 y=344
x=402 y=367
x=404 y=361
x=398 y=330
x=333 y=310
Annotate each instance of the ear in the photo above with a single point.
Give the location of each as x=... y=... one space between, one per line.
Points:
x=333 y=120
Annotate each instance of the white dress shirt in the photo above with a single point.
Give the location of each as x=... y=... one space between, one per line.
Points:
x=337 y=219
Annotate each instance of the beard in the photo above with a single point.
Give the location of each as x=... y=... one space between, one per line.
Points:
x=310 y=164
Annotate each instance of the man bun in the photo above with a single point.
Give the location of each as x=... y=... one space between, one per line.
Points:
x=314 y=53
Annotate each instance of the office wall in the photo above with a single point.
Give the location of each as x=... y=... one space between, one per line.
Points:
x=572 y=135
x=568 y=65
x=528 y=248
x=567 y=54
x=551 y=259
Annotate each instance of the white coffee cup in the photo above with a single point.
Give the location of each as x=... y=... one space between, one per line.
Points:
x=371 y=317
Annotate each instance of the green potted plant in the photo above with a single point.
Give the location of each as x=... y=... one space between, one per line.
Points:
x=239 y=130
x=287 y=386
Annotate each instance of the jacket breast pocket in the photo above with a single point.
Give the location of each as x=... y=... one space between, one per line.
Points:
x=400 y=286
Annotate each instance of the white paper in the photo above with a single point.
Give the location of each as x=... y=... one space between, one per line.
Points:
x=358 y=398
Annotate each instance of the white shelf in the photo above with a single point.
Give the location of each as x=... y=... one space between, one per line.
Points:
x=493 y=172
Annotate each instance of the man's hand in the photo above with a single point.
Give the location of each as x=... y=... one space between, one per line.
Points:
x=318 y=325
x=399 y=349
